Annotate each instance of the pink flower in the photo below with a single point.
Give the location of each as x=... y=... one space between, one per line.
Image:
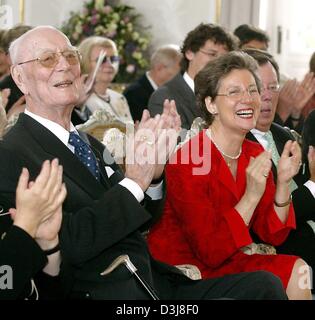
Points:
x=130 y=68
x=85 y=11
x=107 y=9
x=95 y=19
x=111 y=34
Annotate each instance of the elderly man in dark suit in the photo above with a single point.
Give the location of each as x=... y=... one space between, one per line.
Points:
x=102 y=213
x=274 y=137
x=164 y=65
x=201 y=45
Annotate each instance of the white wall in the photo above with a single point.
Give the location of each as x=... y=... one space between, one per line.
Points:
x=170 y=20
x=39 y=12
x=236 y=12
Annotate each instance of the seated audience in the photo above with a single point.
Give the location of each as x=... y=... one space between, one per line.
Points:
x=3 y=115
x=4 y=65
x=102 y=213
x=293 y=94
x=293 y=97
x=252 y=37
x=219 y=186
x=101 y=96
x=310 y=105
x=201 y=45
x=273 y=137
x=164 y=65
x=308 y=145
x=16 y=99
x=30 y=244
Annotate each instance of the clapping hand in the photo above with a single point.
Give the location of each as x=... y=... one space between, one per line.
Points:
x=257 y=173
x=154 y=140
x=38 y=203
x=169 y=129
x=83 y=90
x=289 y=163
x=294 y=95
x=311 y=162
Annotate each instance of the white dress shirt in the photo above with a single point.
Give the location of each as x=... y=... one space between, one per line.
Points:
x=189 y=81
x=63 y=135
x=153 y=84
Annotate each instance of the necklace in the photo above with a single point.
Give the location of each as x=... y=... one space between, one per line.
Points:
x=222 y=152
x=104 y=97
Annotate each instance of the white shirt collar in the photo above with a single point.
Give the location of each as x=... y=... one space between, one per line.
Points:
x=189 y=81
x=153 y=84
x=61 y=133
x=260 y=136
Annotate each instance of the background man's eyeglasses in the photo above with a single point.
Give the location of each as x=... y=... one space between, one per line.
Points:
x=212 y=54
x=51 y=59
x=271 y=87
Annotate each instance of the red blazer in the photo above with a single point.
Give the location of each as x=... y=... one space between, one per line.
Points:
x=200 y=225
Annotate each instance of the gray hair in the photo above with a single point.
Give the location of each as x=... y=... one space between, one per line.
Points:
x=166 y=55
x=15 y=47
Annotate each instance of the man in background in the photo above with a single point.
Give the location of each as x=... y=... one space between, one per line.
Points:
x=252 y=37
x=164 y=65
x=201 y=45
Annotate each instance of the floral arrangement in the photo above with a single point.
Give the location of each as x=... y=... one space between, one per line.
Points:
x=115 y=21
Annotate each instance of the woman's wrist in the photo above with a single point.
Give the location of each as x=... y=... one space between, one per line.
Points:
x=47 y=245
x=251 y=198
x=26 y=224
x=283 y=204
x=283 y=194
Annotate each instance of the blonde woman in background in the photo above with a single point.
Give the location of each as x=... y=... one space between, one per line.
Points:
x=102 y=97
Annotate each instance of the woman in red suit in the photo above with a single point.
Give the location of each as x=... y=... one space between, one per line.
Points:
x=220 y=188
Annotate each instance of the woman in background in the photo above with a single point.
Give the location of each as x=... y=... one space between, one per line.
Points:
x=101 y=96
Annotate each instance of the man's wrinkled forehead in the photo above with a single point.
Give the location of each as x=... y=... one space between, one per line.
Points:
x=49 y=40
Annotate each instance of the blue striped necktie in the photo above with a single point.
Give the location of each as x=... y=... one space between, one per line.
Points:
x=85 y=154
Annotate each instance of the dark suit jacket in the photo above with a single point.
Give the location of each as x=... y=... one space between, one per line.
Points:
x=178 y=90
x=100 y=221
x=19 y=251
x=137 y=95
x=302 y=240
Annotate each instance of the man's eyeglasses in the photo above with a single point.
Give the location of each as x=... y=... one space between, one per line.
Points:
x=238 y=93
x=111 y=59
x=50 y=59
x=212 y=54
x=273 y=87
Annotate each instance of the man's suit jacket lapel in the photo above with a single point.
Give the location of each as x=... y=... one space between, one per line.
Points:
x=145 y=83
x=185 y=94
x=54 y=148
